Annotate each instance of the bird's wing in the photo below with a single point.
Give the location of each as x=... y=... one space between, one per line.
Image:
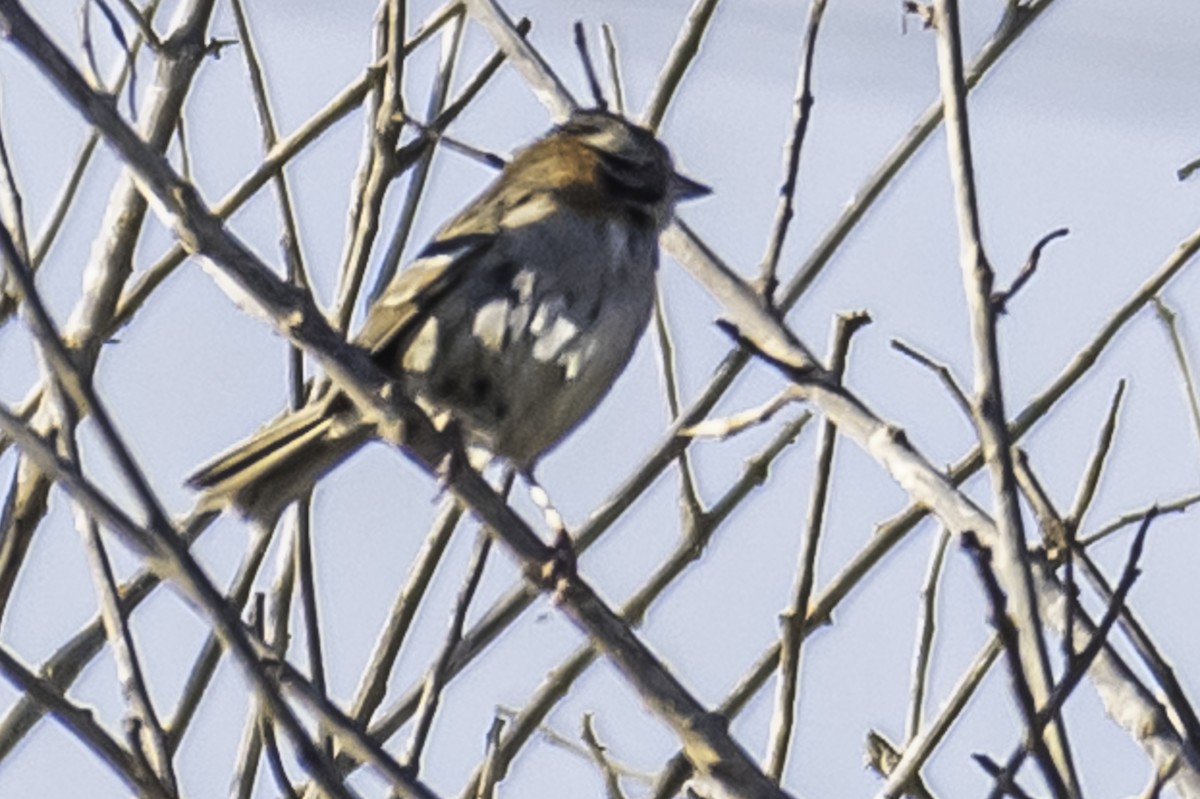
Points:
x=406 y=302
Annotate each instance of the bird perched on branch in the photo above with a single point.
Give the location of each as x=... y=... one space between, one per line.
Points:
x=513 y=323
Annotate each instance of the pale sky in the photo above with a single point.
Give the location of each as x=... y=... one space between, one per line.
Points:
x=1082 y=125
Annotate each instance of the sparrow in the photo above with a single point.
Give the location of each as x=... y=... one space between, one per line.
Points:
x=512 y=323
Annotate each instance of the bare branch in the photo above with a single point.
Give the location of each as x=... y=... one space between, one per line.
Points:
x=1091 y=476
x=1008 y=633
x=589 y=69
x=614 y=68
x=1170 y=321
x=927 y=624
x=943 y=372
x=801 y=111
x=792 y=619
x=373 y=685
x=82 y=724
x=436 y=678
x=1011 y=564
x=612 y=778
x=918 y=749
x=883 y=757
x=1000 y=298
x=533 y=68
x=1078 y=667
x=686 y=46
x=1184 y=172
x=729 y=426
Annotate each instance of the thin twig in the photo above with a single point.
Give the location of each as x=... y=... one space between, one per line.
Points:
x=206 y=662
x=926 y=627
x=683 y=52
x=614 y=68
x=689 y=493
x=1011 y=563
x=783 y=721
x=1007 y=631
x=487 y=784
x=882 y=756
x=1079 y=666
x=245 y=773
x=12 y=206
x=581 y=750
x=1000 y=299
x=377 y=167
x=1091 y=476
x=249 y=755
x=801 y=112
x=81 y=722
x=1136 y=517
x=419 y=174
x=1182 y=713
x=435 y=680
x=274 y=762
x=149 y=738
x=943 y=372
x=918 y=749
x=276 y=619
x=589 y=68
x=599 y=754
x=564 y=675
x=143 y=23
x=290 y=241
x=733 y=424
x=373 y=685
x=1187 y=170
x=1057 y=540
x=263 y=735
x=185 y=152
x=1170 y=321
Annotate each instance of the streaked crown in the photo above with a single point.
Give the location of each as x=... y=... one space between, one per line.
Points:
x=602 y=162
x=634 y=166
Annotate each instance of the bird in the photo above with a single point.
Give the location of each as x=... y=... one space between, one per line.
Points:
x=511 y=324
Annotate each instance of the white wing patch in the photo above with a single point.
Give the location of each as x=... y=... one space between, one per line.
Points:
x=491 y=324
x=553 y=338
x=571 y=362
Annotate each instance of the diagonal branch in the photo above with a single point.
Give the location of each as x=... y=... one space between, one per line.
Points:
x=714 y=752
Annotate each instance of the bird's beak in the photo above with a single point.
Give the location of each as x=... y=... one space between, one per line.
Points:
x=684 y=188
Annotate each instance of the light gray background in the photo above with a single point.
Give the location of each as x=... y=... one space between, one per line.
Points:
x=1083 y=125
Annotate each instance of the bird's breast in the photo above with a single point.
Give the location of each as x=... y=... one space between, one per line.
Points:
x=534 y=337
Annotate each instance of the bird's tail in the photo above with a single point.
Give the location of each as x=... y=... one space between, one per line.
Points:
x=276 y=465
